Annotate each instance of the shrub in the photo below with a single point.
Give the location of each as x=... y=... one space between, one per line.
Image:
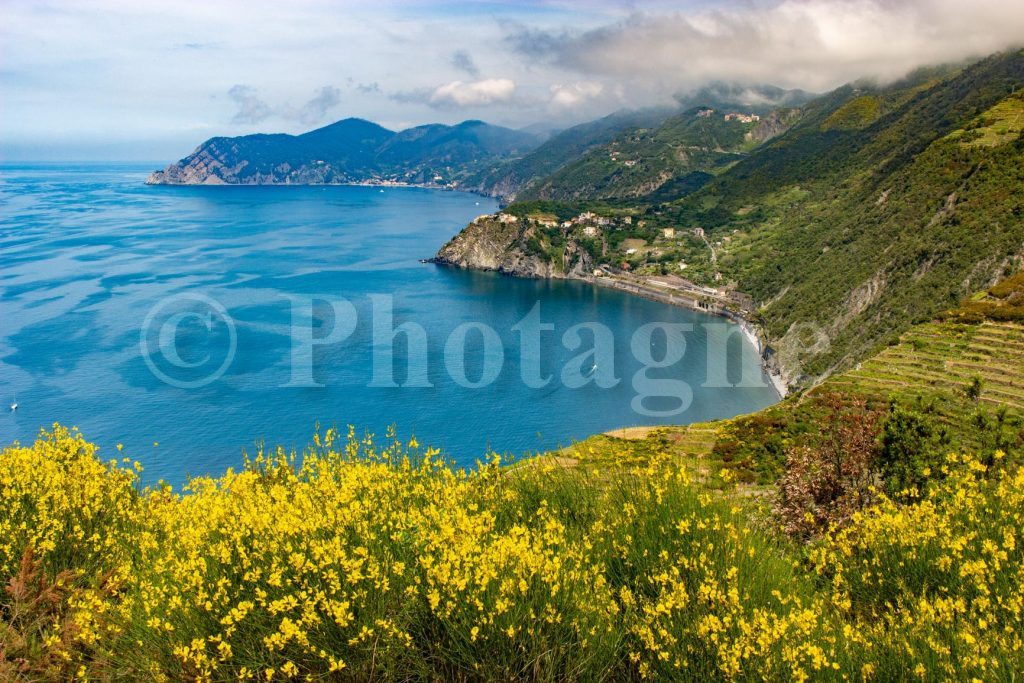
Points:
x=936 y=586
x=827 y=482
x=363 y=561
x=910 y=449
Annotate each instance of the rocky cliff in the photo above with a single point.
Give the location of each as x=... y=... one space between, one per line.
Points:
x=208 y=165
x=516 y=246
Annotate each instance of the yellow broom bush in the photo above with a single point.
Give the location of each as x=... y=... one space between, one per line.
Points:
x=359 y=560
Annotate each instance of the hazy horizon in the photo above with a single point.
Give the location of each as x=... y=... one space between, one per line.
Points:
x=111 y=80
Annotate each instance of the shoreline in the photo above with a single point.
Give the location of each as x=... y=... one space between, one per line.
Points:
x=750 y=330
x=359 y=183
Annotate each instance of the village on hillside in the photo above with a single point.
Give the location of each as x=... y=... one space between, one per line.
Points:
x=674 y=264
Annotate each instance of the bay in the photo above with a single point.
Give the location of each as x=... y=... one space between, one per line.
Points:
x=88 y=253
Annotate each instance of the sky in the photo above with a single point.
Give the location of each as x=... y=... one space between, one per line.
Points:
x=130 y=80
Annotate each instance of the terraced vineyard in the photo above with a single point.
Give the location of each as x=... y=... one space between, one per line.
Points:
x=613 y=452
x=946 y=357
x=936 y=367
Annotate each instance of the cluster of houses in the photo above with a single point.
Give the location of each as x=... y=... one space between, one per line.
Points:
x=731 y=116
x=592 y=220
x=744 y=118
x=591 y=223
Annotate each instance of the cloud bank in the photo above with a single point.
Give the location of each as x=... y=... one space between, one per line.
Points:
x=810 y=44
x=117 y=75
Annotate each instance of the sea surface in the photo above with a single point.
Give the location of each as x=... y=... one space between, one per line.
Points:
x=191 y=324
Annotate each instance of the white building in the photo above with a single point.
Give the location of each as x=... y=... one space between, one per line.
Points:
x=744 y=118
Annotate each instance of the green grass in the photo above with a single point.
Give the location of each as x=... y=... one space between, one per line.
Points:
x=857 y=113
x=999 y=125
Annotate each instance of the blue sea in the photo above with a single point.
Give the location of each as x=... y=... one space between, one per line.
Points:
x=191 y=324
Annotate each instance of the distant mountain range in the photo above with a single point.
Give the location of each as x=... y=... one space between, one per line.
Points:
x=350 y=151
x=494 y=160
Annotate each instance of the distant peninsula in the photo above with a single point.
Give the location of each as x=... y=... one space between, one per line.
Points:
x=350 y=151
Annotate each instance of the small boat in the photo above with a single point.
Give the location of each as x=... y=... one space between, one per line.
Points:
x=14 y=405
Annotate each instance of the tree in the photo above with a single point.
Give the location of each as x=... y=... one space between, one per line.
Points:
x=909 y=454
x=826 y=482
x=973 y=390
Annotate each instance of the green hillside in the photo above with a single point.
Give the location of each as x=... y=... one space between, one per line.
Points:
x=672 y=151
x=507 y=178
x=638 y=162
x=863 y=230
x=875 y=208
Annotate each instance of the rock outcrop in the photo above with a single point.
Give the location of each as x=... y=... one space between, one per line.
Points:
x=515 y=246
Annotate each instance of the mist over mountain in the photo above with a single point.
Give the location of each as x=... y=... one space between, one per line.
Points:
x=759 y=98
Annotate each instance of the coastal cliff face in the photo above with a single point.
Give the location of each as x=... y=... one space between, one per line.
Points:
x=212 y=165
x=516 y=246
x=208 y=165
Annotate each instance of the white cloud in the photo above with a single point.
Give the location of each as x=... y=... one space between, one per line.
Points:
x=811 y=44
x=574 y=94
x=117 y=73
x=473 y=94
